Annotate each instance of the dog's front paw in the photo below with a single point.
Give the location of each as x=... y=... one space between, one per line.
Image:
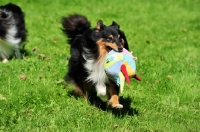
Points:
x=5 y=60
x=115 y=105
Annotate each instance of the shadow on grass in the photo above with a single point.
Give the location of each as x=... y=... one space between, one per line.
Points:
x=95 y=101
x=24 y=52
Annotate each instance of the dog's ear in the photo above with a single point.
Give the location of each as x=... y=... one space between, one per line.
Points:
x=100 y=25
x=123 y=36
x=115 y=25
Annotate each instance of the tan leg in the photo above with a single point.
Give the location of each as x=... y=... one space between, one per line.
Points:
x=114 y=100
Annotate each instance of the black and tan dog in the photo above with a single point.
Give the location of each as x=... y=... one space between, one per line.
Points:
x=12 y=31
x=88 y=49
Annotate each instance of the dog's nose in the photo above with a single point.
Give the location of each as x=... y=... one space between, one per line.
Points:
x=120 y=49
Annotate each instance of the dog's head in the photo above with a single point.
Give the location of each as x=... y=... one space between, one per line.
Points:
x=10 y=10
x=11 y=16
x=109 y=37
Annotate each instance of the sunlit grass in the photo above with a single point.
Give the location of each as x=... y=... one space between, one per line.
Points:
x=164 y=35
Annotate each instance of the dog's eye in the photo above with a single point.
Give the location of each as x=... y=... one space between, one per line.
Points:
x=122 y=41
x=3 y=15
x=110 y=38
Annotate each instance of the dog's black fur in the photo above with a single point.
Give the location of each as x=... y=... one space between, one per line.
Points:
x=12 y=30
x=88 y=49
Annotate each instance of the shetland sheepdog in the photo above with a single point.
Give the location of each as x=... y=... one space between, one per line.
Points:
x=88 y=49
x=12 y=31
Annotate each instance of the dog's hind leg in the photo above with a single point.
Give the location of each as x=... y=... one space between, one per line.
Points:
x=114 y=100
x=81 y=90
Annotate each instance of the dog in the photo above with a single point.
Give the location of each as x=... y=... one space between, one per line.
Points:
x=12 y=31
x=88 y=47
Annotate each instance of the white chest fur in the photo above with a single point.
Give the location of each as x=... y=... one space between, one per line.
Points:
x=10 y=44
x=96 y=72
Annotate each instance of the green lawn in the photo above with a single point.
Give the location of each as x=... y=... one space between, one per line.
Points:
x=164 y=35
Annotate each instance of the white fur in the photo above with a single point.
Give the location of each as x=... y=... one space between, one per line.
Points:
x=95 y=68
x=10 y=36
x=5 y=60
x=96 y=72
x=101 y=92
x=10 y=44
x=97 y=76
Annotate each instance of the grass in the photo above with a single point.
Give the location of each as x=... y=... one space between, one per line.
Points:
x=164 y=35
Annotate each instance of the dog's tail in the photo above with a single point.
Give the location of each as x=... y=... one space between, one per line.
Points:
x=74 y=24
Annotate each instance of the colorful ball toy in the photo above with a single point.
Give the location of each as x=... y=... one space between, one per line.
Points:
x=119 y=66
